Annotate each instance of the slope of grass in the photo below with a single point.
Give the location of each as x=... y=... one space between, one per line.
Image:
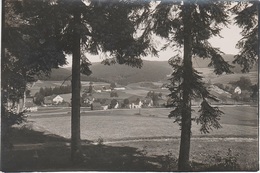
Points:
x=225 y=79
x=118 y=124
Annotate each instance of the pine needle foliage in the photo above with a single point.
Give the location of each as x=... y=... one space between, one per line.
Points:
x=207 y=20
x=209 y=116
x=246 y=17
x=188 y=25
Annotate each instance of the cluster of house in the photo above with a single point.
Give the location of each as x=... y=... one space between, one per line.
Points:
x=133 y=102
x=99 y=89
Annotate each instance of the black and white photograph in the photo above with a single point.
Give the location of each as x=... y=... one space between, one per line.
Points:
x=129 y=85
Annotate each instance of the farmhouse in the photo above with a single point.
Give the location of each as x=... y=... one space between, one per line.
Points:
x=50 y=100
x=135 y=102
x=58 y=99
x=105 y=107
x=88 y=99
x=147 y=102
x=116 y=106
x=237 y=90
x=66 y=97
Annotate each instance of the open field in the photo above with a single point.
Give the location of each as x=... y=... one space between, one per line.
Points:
x=112 y=125
x=47 y=84
x=225 y=79
x=132 y=141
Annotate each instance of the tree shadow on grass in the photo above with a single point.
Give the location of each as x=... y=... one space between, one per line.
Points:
x=25 y=135
x=36 y=151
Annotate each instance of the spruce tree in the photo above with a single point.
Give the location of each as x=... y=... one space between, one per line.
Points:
x=246 y=17
x=188 y=25
x=77 y=27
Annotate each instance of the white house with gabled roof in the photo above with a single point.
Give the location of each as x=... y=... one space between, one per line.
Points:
x=58 y=99
x=237 y=90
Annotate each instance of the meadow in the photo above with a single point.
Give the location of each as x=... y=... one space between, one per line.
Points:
x=240 y=121
x=132 y=140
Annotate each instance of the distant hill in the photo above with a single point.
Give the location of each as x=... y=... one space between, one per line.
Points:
x=57 y=74
x=61 y=74
x=203 y=63
x=123 y=74
x=152 y=71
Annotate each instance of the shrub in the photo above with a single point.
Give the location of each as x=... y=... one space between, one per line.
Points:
x=225 y=163
x=9 y=118
x=244 y=83
x=143 y=155
x=100 y=141
x=169 y=162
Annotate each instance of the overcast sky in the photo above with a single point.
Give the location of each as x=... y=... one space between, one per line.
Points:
x=230 y=35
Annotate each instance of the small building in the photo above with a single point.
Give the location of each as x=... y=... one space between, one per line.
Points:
x=119 y=88
x=54 y=99
x=58 y=99
x=105 y=107
x=88 y=100
x=107 y=90
x=237 y=90
x=116 y=106
x=136 y=105
x=148 y=102
x=135 y=102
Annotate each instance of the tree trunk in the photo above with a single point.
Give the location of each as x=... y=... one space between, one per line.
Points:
x=75 y=109
x=258 y=15
x=184 y=154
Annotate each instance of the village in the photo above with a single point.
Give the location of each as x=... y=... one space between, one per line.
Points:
x=108 y=97
x=96 y=97
x=103 y=96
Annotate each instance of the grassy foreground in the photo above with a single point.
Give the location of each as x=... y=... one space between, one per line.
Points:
x=36 y=151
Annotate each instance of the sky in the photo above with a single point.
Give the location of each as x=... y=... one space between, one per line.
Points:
x=230 y=35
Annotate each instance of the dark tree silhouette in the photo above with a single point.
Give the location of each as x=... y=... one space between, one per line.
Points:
x=246 y=17
x=24 y=54
x=188 y=25
x=75 y=27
